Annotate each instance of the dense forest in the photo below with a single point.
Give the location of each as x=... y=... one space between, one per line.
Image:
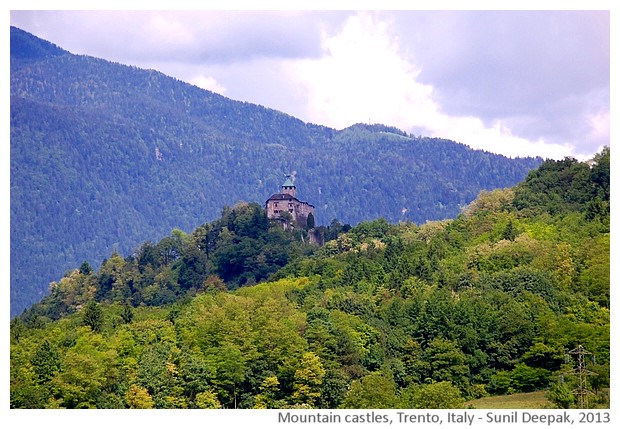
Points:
x=105 y=156
x=240 y=313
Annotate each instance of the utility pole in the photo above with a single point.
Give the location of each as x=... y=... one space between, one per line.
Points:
x=580 y=370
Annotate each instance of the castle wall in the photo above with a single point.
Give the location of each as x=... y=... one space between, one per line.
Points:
x=299 y=210
x=274 y=208
x=287 y=202
x=304 y=209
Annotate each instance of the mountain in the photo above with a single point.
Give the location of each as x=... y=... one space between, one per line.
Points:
x=105 y=156
x=511 y=296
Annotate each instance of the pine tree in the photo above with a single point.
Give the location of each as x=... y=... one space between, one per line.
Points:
x=127 y=314
x=93 y=316
x=46 y=361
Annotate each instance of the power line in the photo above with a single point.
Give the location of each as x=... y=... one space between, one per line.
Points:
x=580 y=370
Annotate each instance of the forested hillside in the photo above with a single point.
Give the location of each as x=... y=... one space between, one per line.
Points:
x=104 y=156
x=384 y=315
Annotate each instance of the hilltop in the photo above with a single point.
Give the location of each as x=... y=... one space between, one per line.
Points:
x=105 y=156
x=241 y=313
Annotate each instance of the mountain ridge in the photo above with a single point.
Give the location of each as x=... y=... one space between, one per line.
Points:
x=105 y=156
x=240 y=313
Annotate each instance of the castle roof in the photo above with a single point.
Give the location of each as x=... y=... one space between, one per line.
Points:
x=280 y=197
x=288 y=183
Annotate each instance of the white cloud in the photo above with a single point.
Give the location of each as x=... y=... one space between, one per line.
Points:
x=469 y=76
x=599 y=125
x=208 y=83
x=362 y=78
x=497 y=139
x=365 y=77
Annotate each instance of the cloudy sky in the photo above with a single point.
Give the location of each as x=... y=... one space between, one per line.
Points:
x=516 y=82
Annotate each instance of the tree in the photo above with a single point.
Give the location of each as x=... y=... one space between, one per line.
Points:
x=544 y=356
x=159 y=375
x=308 y=380
x=310 y=221
x=561 y=396
x=93 y=316
x=85 y=268
x=197 y=375
x=526 y=379
x=74 y=290
x=335 y=384
x=447 y=362
x=490 y=202
x=269 y=389
x=374 y=390
x=510 y=232
x=415 y=366
x=46 y=361
x=138 y=397
x=555 y=187
x=595 y=278
x=208 y=400
x=600 y=173
x=231 y=367
x=500 y=382
x=193 y=268
x=87 y=368
x=442 y=395
x=127 y=313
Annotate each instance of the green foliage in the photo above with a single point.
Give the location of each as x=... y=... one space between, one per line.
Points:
x=207 y=400
x=595 y=278
x=138 y=397
x=526 y=379
x=382 y=316
x=437 y=395
x=241 y=248
x=446 y=362
x=268 y=393
x=127 y=314
x=567 y=185
x=375 y=390
x=600 y=174
x=105 y=156
x=308 y=380
x=93 y=316
x=310 y=221
x=46 y=362
x=500 y=383
x=561 y=395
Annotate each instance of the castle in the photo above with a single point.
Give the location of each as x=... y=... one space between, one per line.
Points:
x=285 y=205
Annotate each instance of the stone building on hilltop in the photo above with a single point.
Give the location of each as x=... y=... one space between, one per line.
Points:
x=286 y=208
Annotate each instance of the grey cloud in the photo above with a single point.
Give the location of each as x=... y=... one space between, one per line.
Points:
x=539 y=72
x=213 y=37
x=522 y=56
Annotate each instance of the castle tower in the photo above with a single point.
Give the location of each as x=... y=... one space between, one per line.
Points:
x=285 y=206
x=289 y=188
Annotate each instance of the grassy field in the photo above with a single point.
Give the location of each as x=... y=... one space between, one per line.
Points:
x=524 y=401
x=533 y=400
